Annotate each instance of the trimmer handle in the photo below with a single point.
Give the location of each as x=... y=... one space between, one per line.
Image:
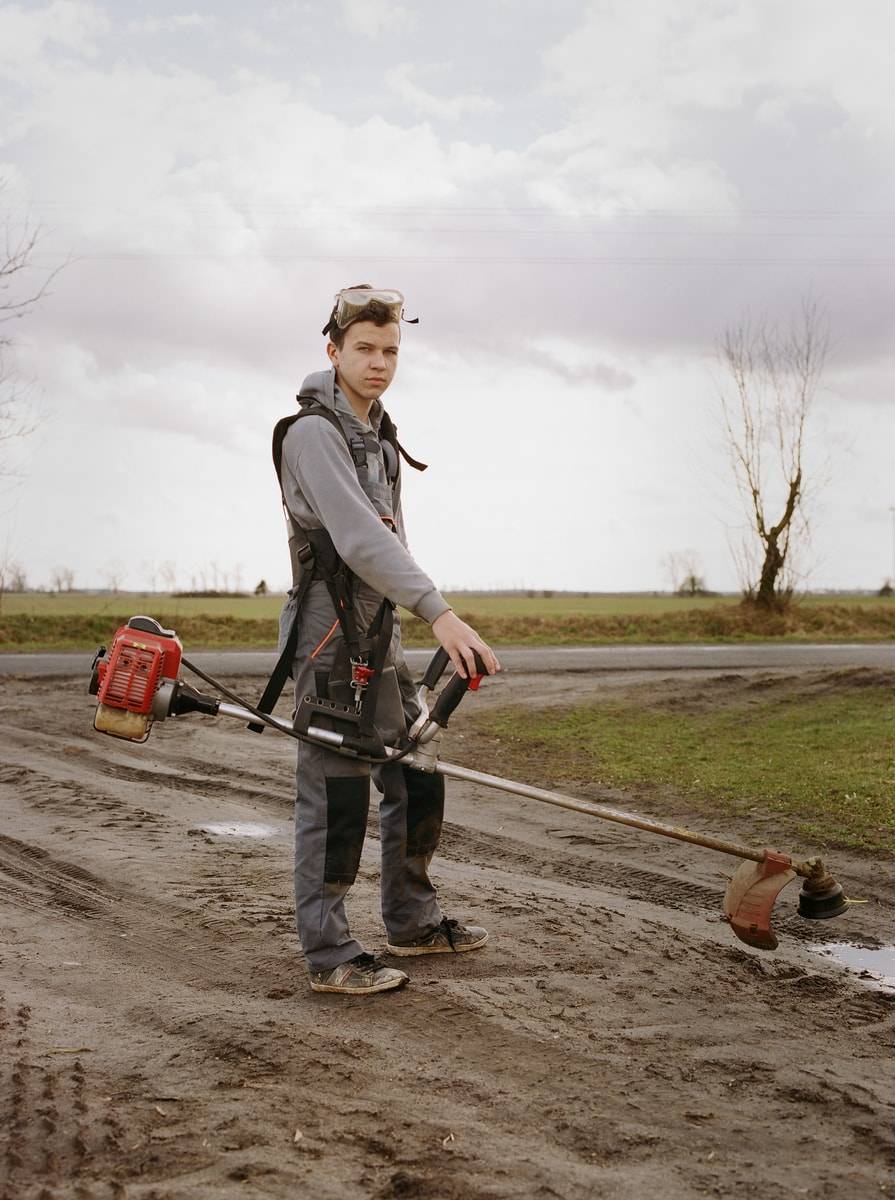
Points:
x=435 y=669
x=454 y=691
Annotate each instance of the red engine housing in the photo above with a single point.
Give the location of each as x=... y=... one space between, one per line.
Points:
x=139 y=660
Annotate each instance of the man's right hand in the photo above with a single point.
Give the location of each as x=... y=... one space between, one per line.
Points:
x=460 y=640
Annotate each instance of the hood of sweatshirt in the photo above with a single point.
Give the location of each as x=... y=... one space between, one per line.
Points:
x=321 y=385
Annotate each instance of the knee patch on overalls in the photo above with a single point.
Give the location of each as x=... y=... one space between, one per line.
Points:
x=425 y=811
x=347 y=806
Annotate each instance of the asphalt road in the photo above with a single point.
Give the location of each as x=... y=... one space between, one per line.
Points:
x=536 y=659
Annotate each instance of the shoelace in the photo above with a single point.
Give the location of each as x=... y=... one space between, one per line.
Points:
x=367 y=962
x=449 y=925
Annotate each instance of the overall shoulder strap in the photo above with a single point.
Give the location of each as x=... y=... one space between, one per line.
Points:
x=307 y=556
x=309 y=407
x=388 y=432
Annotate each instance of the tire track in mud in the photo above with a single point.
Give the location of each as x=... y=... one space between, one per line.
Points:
x=179 y=940
x=36 y=880
x=681 y=895
x=99 y=765
x=73 y=798
x=54 y=1124
x=465 y=845
x=193 y=929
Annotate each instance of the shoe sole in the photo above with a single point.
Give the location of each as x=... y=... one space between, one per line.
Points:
x=387 y=986
x=410 y=951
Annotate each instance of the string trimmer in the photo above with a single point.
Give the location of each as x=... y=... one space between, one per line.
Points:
x=137 y=683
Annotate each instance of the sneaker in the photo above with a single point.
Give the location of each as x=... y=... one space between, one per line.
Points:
x=450 y=937
x=359 y=976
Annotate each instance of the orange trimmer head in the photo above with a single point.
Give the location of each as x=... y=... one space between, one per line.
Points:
x=752 y=892
x=750 y=896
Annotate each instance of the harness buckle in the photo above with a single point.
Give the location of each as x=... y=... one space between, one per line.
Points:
x=358 y=448
x=361 y=674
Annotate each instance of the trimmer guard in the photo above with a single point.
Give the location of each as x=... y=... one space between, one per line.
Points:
x=750 y=896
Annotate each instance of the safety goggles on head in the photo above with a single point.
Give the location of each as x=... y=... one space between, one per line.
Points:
x=351 y=302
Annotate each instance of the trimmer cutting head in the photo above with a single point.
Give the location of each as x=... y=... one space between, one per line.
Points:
x=750 y=896
x=821 y=897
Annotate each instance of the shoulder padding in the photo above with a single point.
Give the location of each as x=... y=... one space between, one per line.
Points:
x=309 y=408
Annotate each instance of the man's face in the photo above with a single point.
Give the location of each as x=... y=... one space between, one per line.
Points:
x=368 y=358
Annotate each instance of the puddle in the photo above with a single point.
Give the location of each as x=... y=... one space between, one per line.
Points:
x=874 y=963
x=244 y=829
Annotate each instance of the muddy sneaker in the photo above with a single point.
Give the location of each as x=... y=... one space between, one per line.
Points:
x=359 y=976
x=449 y=938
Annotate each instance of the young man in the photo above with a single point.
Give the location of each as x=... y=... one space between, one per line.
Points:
x=342 y=476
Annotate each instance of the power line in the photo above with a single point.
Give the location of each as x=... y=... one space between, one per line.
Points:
x=623 y=214
x=508 y=260
x=509 y=231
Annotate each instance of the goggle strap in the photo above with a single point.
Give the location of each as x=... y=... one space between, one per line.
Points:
x=332 y=322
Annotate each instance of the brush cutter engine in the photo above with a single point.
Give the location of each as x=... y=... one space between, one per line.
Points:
x=136 y=683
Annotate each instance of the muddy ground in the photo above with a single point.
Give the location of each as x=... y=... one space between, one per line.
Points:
x=158 y=1039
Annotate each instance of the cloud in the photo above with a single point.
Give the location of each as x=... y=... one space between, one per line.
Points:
x=255 y=42
x=570 y=361
x=175 y=23
x=371 y=18
x=648 y=77
x=722 y=109
x=661 y=56
x=26 y=33
x=580 y=365
x=400 y=81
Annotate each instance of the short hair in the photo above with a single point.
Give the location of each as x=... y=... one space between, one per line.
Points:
x=375 y=311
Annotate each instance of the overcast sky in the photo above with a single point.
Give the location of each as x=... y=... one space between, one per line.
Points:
x=575 y=198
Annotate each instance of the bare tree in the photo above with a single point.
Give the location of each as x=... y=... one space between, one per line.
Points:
x=168 y=572
x=771 y=377
x=17 y=298
x=62 y=579
x=149 y=570
x=12 y=578
x=113 y=573
x=684 y=571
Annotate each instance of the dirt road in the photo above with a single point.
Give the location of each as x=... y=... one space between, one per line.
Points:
x=158 y=1040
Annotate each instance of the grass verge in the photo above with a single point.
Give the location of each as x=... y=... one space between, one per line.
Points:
x=817 y=759
x=34 y=631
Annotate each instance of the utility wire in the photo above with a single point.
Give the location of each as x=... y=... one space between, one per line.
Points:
x=489 y=260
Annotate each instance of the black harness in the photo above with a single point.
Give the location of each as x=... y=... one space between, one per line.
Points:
x=316 y=553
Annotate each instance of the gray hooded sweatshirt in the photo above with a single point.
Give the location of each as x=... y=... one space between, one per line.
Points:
x=322 y=491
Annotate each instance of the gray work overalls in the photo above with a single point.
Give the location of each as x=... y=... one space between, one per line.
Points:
x=333 y=792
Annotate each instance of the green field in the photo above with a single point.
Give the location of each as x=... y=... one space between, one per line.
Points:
x=76 y=621
x=488 y=604
x=82 y=604
x=817 y=756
